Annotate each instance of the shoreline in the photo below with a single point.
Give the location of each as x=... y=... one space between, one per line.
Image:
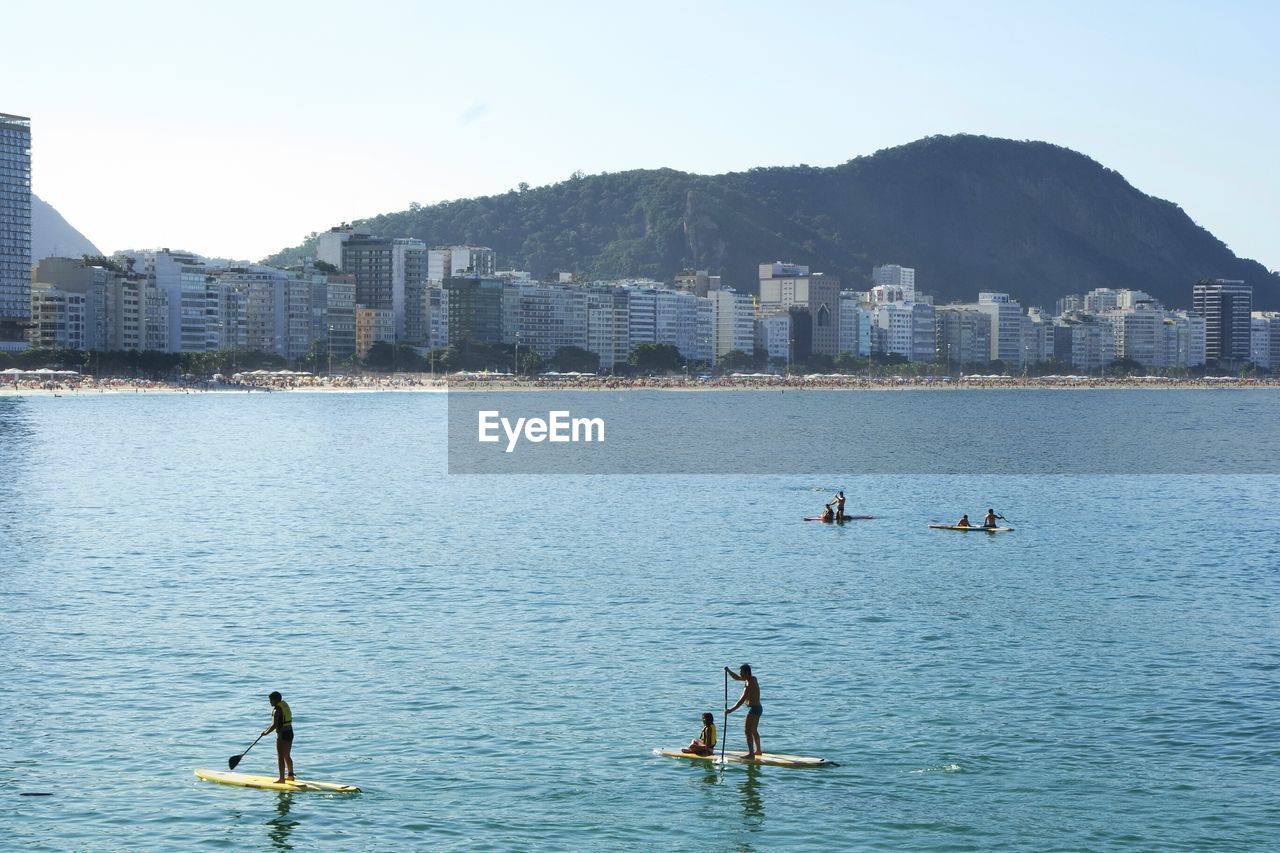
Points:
x=415 y=384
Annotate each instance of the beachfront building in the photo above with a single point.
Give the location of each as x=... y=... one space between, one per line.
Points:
x=1183 y=339
x=659 y=315
x=389 y=274
x=337 y=324
x=787 y=285
x=1037 y=337
x=852 y=325
x=733 y=322
x=1227 y=308
x=57 y=318
x=1006 y=327
x=475 y=309
x=373 y=325
x=1264 y=339
x=544 y=317
x=194 y=306
x=773 y=335
x=272 y=310
x=963 y=335
x=436 y=306
x=94 y=283
x=1084 y=342
x=608 y=333
x=15 y=230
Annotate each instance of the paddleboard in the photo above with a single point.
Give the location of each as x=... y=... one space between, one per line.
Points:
x=972 y=528
x=839 y=520
x=269 y=783
x=735 y=756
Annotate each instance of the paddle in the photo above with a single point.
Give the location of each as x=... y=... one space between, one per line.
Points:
x=235 y=759
x=724 y=730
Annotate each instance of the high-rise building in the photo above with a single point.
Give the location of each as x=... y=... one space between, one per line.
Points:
x=475 y=308
x=894 y=277
x=373 y=325
x=57 y=318
x=1264 y=339
x=544 y=317
x=963 y=335
x=1227 y=307
x=1006 y=327
x=448 y=262
x=607 y=330
x=733 y=322
x=784 y=286
x=15 y=230
x=94 y=283
x=697 y=282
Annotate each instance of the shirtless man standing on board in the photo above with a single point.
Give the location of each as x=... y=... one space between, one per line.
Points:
x=751 y=697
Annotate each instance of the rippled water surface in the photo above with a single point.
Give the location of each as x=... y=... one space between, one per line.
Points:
x=493 y=659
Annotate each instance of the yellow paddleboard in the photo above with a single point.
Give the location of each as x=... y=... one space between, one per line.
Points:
x=773 y=759
x=269 y=783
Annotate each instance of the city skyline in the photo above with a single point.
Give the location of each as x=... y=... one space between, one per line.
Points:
x=247 y=155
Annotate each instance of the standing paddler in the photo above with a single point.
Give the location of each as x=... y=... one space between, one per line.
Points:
x=751 y=697
x=282 y=725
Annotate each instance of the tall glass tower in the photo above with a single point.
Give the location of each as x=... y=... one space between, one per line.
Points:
x=15 y=227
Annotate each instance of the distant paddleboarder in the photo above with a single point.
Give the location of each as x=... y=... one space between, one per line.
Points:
x=964 y=521
x=991 y=519
x=282 y=725
x=751 y=697
x=840 y=516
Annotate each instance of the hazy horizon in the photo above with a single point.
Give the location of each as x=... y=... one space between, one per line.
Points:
x=236 y=132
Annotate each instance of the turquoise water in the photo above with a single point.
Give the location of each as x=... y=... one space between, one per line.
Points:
x=493 y=659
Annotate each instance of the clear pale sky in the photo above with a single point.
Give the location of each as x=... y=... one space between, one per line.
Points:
x=234 y=129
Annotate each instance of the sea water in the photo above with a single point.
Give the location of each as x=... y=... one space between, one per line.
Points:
x=493 y=659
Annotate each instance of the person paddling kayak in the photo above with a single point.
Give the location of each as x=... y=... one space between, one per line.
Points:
x=751 y=696
x=282 y=725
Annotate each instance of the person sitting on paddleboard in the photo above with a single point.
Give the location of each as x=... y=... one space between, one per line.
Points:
x=964 y=521
x=282 y=725
x=840 y=506
x=750 y=696
x=990 y=520
x=828 y=514
x=705 y=742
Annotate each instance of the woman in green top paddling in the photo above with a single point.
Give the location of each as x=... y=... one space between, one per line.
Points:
x=282 y=725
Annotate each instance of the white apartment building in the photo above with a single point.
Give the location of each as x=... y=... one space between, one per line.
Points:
x=732 y=322
x=1006 y=327
x=607 y=325
x=773 y=335
x=57 y=318
x=544 y=317
x=896 y=278
x=1264 y=339
x=449 y=261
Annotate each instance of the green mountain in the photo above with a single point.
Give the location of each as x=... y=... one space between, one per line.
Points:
x=969 y=213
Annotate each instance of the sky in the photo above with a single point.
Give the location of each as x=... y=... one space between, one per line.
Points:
x=235 y=129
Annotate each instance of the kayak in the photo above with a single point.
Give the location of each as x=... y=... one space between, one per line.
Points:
x=773 y=759
x=269 y=783
x=972 y=528
x=840 y=520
